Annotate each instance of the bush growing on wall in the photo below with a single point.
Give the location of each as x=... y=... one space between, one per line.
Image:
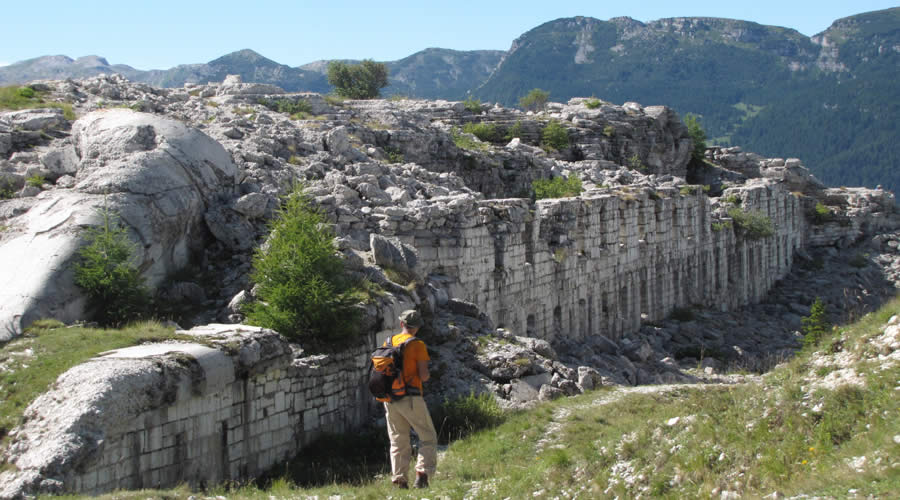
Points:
x=303 y=292
x=754 y=225
x=487 y=132
x=558 y=187
x=555 y=136
x=698 y=136
x=114 y=288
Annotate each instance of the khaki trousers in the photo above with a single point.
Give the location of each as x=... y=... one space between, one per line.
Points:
x=410 y=412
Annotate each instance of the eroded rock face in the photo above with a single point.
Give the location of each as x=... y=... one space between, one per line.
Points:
x=157 y=174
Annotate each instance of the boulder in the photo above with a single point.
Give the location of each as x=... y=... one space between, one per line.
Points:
x=391 y=253
x=156 y=175
x=36 y=119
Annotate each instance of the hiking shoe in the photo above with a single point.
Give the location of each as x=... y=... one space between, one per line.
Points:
x=401 y=483
x=421 y=480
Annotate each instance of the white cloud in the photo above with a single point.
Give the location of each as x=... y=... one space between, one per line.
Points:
x=2 y=64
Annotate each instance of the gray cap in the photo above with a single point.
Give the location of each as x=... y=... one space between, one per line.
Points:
x=411 y=318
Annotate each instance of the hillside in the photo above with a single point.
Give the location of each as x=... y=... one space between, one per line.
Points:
x=830 y=100
x=822 y=425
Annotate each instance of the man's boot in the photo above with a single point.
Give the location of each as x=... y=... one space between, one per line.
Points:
x=421 y=480
x=401 y=483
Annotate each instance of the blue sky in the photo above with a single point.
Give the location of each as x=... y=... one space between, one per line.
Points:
x=164 y=33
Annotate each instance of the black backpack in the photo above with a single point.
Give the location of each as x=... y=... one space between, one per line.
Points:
x=386 y=375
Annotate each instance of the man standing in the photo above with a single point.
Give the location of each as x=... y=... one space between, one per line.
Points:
x=411 y=411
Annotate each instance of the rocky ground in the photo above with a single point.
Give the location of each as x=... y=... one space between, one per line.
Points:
x=363 y=159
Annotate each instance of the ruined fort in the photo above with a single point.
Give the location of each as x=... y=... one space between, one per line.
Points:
x=580 y=288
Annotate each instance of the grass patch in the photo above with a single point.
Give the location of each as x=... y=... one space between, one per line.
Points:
x=593 y=103
x=35 y=360
x=753 y=225
x=16 y=98
x=778 y=435
x=465 y=141
x=466 y=415
x=487 y=132
x=557 y=187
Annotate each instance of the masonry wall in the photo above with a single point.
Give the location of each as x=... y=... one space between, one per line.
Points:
x=231 y=428
x=601 y=264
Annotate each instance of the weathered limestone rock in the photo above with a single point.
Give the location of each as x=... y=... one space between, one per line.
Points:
x=233 y=85
x=391 y=253
x=156 y=174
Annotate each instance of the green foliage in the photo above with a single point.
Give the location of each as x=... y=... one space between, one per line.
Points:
x=335 y=100
x=593 y=103
x=358 y=81
x=609 y=130
x=115 y=290
x=747 y=91
x=860 y=260
x=780 y=432
x=303 y=292
x=15 y=98
x=557 y=187
x=517 y=130
x=732 y=199
x=466 y=415
x=555 y=136
x=635 y=163
x=487 y=132
x=465 y=141
x=36 y=180
x=821 y=213
x=534 y=100
x=6 y=190
x=753 y=225
x=698 y=136
x=35 y=360
x=286 y=106
x=472 y=105
x=816 y=325
x=719 y=226
x=394 y=155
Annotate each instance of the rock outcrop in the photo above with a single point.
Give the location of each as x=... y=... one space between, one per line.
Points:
x=157 y=175
x=639 y=279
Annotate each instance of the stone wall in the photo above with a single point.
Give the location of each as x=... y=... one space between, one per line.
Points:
x=163 y=414
x=605 y=262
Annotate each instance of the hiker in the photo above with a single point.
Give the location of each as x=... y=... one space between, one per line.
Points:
x=411 y=411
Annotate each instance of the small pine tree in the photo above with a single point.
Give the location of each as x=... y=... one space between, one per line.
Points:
x=303 y=292
x=816 y=325
x=555 y=136
x=698 y=136
x=115 y=290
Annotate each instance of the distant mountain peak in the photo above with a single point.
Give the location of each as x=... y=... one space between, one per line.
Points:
x=245 y=58
x=91 y=61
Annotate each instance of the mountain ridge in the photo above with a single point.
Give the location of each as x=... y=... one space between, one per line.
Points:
x=830 y=99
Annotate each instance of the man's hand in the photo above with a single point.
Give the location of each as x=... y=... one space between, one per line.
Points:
x=422 y=366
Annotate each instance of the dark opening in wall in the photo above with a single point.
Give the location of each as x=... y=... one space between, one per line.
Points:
x=530 y=326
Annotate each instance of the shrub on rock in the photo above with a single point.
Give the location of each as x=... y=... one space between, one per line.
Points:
x=115 y=290
x=302 y=290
